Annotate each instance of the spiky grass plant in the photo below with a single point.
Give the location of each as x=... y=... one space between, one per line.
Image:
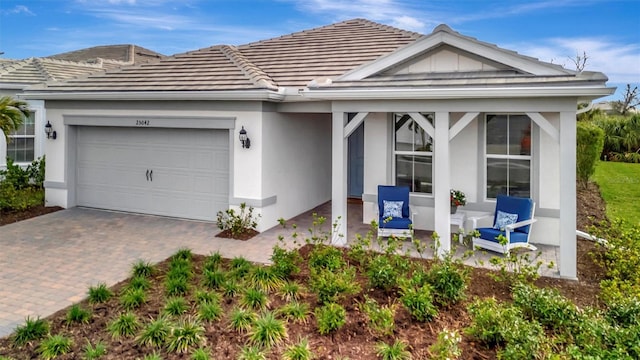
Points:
x=268 y=331
x=154 y=356
x=396 y=351
x=139 y=282
x=156 y=332
x=178 y=286
x=183 y=254
x=298 y=351
x=209 y=311
x=142 y=269
x=124 y=325
x=290 y=290
x=251 y=353
x=176 y=306
x=99 y=293
x=180 y=268
x=188 y=333
x=203 y=296
x=33 y=329
x=92 y=352
x=294 y=311
x=264 y=278
x=242 y=319
x=230 y=288
x=213 y=261
x=133 y=298
x=240 y=267
x=213 y=279
x=54 y=346
x=78 y=314
x=201 y=354
x=254 y=299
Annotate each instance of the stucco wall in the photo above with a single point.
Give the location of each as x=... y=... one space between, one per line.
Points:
x=296 y=156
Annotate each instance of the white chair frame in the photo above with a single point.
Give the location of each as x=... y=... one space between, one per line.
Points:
x=504 y=249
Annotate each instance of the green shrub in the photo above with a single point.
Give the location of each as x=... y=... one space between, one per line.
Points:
x=285 y=262
x=254 y=299
x=176 y=306
x=92 y=352
x=251 y=353
x=33 y=329
x=382 y=273
x=54 y=346
x=78 y=314
x=298 y=351
x=447 y=346
x=546 y=306
x=264 y=278
x=624 y=311
x=332 y=286
x=99 y=293
x=241 y=319
x=139 y=282
x=448 y=280
x=516 y=266
x=155 y=333
x=207 y=297
x=381 y=318
x=325 y=257
x=396 y=351
x=294 y=311
x=13 y=199
x=590 y=140
x=290 y=290
x=209 y=311
x=213 y=279
x=124 y=325
x=213 y=261
x=201 y=354
x=188 y=333
x=182 y=254
x=237 y=224
x=267 y=331
x=240 y=267
x=419 y=302
x=230 y=288
x=176 y=286
x=330 y=317
x=133 y=298
x=621 y=136
x=142 y=269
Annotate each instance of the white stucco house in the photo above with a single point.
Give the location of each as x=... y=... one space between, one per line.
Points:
x=330 y=112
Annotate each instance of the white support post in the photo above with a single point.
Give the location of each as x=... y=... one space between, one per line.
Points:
x=3 y=151
x=568 y=244
x=441 y=182
x=339 y=150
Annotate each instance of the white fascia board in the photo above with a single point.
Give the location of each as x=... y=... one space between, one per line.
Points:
x=13 y=86
x=260 y=95
x=474 y=47
x=481 y=93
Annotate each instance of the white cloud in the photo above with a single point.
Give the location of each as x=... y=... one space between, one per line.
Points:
x=18 y=9
x=620 y=62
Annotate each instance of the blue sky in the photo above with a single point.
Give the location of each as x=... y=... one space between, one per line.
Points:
x=551 y=30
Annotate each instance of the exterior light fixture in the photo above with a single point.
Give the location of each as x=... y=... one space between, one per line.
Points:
x=246 y=142
x=48 y=129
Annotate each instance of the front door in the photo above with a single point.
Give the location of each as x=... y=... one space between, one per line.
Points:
x=355 y=178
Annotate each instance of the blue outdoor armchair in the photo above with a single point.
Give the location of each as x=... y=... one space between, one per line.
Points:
x=394 y=215
x=512 y=218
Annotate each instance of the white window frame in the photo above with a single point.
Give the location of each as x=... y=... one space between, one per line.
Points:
x=424 y=154
x=487 y=156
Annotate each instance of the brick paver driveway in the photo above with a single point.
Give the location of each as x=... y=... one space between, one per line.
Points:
x=48 y=263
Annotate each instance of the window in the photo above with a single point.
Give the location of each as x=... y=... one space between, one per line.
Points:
x=22 y=142
x=508 y=155
x=413 y=154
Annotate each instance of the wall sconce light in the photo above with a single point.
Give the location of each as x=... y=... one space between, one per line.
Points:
x=246 y=143
x=48 y=129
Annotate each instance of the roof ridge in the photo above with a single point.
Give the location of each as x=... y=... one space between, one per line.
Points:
x=69 y=62
x=394 y=29
x=12 y=65
x=38 y=63
x=254 y=72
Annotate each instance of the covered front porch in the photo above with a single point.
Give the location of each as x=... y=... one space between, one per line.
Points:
x=548 y=253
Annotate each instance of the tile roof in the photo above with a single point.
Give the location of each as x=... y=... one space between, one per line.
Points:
x=287 y=61
x=38 y=70
x=124 y=53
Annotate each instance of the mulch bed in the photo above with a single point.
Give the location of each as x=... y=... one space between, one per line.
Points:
x=244 y=236
x=8 y=217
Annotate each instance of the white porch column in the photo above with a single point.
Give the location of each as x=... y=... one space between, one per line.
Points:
x=441 y=182
x=568 y=245
x=339 y=150
x=3 y=150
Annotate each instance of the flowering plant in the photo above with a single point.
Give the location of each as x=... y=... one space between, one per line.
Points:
x=458 y=198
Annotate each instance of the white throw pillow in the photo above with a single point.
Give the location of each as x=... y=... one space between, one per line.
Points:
x=392 y=208
x=503 y=219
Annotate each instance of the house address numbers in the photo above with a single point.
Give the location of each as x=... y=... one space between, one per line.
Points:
x=143 y=123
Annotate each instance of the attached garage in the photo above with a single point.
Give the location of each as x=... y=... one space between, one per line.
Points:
x=162 y=171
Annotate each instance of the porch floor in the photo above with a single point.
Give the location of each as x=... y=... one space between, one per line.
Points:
x=355 y=226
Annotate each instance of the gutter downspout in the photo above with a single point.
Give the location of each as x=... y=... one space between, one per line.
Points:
x=584 y=110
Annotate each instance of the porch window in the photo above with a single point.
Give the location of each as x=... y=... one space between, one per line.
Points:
x=508 y=155
x=22 y=142
x=413 y=154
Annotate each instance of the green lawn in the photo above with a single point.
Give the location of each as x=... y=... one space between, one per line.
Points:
x=620 y=187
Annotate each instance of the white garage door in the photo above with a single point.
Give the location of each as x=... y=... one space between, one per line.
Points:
x=173 y=172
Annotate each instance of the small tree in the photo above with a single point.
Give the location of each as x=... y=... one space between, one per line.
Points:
x=590 y=140
x=629 y=101
x=12 y=115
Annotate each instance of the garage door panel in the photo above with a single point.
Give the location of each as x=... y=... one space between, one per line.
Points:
x=190 y=170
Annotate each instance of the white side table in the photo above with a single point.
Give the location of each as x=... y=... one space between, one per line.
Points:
x=458 y=219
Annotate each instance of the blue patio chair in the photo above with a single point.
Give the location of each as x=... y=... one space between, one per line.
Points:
x=512 y=218
x=394 y=214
